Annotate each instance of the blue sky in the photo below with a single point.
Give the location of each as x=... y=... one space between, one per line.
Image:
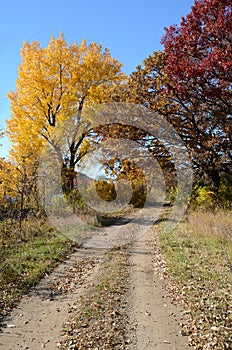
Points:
x=131 y=29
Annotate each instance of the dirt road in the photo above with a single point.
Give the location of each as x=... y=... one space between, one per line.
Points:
x=37 y=320
x=153 y=319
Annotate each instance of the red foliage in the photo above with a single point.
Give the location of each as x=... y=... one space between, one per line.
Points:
x=199 y=52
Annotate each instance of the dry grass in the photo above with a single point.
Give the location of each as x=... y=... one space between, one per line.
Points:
x=198 y=256
x=217 y=223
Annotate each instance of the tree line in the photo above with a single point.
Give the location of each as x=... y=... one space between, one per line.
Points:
x=189 y=83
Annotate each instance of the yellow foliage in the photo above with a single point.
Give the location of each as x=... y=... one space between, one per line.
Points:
x=53 y=84
x=205 y=197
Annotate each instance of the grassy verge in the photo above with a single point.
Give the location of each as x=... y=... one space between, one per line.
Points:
x=99 y=322
x=198 y=255
x=23 y=263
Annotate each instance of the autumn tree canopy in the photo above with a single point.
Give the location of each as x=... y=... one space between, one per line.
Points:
x=55 y=83
x=198 y=60
x=190 y=84
x=199 y=54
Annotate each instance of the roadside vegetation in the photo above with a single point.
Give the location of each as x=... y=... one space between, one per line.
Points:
x=198 y=256
x=25 y=259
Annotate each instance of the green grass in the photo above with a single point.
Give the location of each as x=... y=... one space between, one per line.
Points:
x=198 y=255
x=24 y=263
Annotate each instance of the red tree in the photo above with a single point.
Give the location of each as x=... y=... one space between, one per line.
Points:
x=198 y=60
x=199 y=52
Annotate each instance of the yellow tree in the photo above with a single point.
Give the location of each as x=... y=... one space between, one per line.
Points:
x=55 y=83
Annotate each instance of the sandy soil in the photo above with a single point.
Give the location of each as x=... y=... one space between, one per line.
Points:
x=154 y=321
x=154 y=318
x=37 y=321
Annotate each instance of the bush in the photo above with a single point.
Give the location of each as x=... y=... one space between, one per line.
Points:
x=205 y=197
